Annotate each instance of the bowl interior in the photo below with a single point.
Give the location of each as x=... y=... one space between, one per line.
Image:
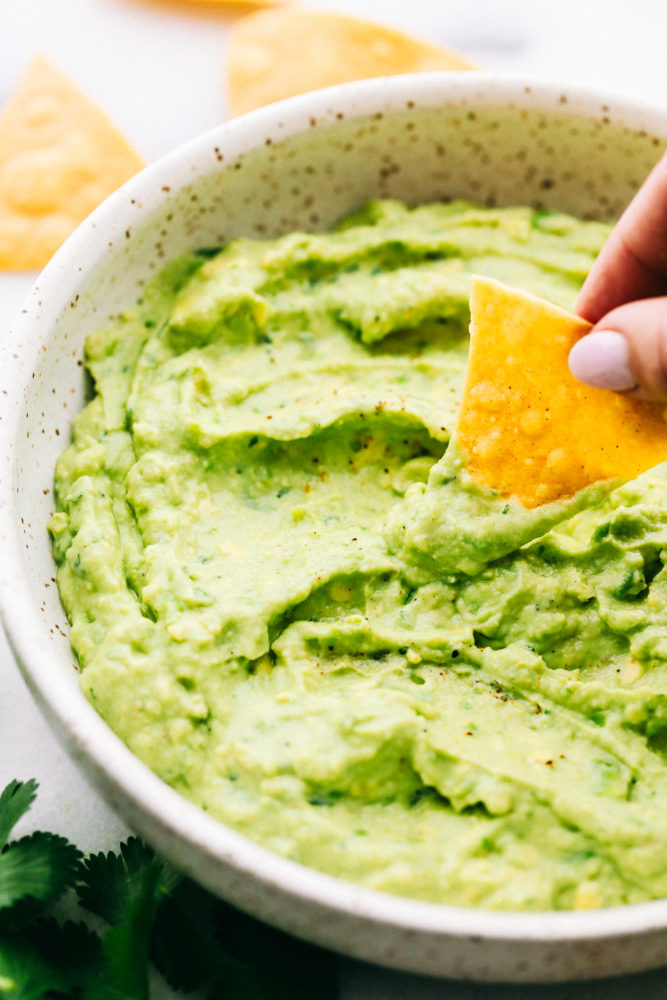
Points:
x=299 y=165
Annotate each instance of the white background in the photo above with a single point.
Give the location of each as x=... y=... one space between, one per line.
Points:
x=157 y=67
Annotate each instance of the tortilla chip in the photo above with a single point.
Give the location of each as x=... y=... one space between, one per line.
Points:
x=278 y=53
x=59 y=158
x=230 y=4
x=243 y=3
x=527 y=427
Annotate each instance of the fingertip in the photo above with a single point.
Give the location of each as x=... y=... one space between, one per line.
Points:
x=602 y=360
x=639 y=341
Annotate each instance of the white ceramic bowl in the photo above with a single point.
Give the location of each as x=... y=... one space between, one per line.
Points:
x=302 y=163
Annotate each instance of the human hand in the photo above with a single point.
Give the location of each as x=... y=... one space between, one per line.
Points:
x=625 y=297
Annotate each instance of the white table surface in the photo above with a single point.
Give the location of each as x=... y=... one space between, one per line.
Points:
x=157 y=68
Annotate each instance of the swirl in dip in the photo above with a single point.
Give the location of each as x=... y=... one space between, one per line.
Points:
x=249 y=619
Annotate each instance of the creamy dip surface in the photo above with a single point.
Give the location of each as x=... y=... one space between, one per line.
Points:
x=265 y=608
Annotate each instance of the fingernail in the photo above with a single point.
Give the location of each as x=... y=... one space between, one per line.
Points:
x=602 y=360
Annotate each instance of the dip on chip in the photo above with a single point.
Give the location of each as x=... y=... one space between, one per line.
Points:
x=532 y=445
x=528 y=428
x=277 y=54
x=59 y=158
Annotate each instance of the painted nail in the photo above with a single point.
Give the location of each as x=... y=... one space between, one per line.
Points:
x=602 y=360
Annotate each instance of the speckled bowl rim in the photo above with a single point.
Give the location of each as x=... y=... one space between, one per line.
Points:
x=139 y=794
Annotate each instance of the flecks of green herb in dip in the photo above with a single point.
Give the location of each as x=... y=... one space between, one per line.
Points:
x=246 y=621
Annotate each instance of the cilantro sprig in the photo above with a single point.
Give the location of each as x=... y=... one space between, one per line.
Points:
x=151 y=915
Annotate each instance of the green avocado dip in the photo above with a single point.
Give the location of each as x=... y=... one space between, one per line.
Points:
x=254 y=619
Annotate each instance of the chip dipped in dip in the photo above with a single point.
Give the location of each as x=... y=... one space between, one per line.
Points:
x=250 y=620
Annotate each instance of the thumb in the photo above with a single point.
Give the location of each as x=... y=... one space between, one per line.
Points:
x=626 y=351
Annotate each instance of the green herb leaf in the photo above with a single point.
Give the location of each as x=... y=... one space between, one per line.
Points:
x=126 y=945
x=50 y=960
x=125 y=890
x=186 y=950
x=285 y=967
x=195 y=940
x=199 y=942
x=24 y=973
x=112 y=883
x=15 y=800
x=41 y=866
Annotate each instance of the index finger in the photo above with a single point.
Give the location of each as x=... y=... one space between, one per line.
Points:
x=633 y=262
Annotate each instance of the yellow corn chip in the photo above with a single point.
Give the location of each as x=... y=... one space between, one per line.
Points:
x=278 y=53
x=244 y=3
x=59 y=158
x=529 y=429
x=225 y=4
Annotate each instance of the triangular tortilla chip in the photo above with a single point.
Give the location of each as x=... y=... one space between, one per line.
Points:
x=527 y=428
x=243 y=3
x=278 y=53
x=226 y=4
x=59 y=158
